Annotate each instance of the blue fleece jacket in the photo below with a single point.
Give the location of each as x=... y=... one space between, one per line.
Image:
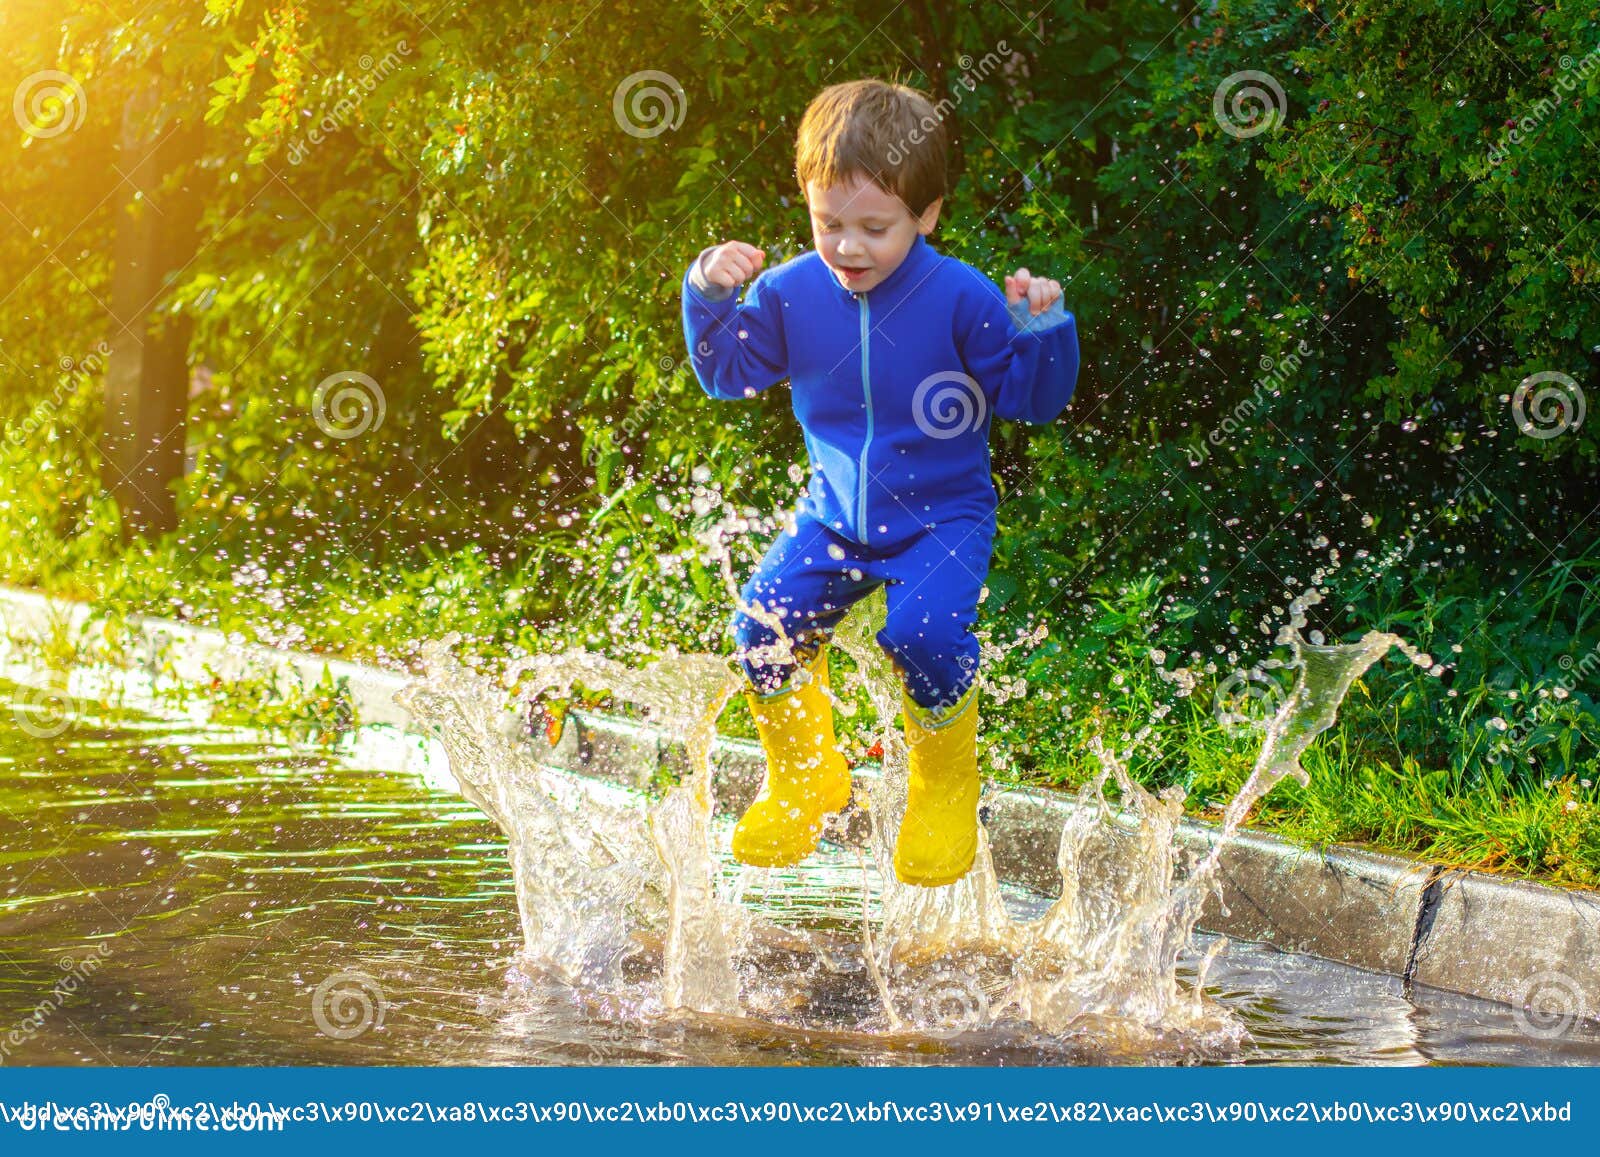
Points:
x=894 y=387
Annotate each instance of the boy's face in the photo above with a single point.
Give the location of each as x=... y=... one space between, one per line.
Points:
x=863 y=232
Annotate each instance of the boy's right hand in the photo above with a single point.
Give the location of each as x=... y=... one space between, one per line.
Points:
x=732 y=263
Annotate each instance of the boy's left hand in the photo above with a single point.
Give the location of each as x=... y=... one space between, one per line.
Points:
x=1039 y=292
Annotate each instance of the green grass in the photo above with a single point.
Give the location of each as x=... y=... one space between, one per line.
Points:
x=1409 y=767
x=1380 y=798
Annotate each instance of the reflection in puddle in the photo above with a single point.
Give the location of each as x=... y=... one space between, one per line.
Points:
x=173 y=895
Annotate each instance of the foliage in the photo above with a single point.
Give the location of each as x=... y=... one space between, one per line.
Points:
x=1305 y=340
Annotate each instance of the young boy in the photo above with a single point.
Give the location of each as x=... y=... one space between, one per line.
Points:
x=897 y=357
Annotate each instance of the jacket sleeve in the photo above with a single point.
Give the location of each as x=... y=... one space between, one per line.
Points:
x=1027 y=366
x=737 y=349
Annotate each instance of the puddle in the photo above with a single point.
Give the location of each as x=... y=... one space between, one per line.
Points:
x=174 y=894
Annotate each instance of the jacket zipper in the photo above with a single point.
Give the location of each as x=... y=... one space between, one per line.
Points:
x=866 y=391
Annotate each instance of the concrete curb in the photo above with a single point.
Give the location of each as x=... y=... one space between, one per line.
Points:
x=1525 y=944
x=1345 y=904
x=1512 y=941
x=195 y=654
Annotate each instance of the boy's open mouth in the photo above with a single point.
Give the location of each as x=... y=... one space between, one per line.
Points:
x=854 y=272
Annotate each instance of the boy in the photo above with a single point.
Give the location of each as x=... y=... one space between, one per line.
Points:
x=897 y=357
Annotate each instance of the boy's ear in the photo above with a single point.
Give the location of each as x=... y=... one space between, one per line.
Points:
x=930 y=217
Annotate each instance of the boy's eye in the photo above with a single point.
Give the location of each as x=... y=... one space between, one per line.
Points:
x=874 y=230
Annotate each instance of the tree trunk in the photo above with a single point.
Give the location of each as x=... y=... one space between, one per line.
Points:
x=147 y=379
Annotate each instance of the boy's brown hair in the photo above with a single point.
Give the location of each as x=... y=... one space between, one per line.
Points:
x=889 y=134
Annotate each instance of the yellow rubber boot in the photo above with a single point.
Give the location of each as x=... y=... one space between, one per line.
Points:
x=939 y=835
x=807 y=777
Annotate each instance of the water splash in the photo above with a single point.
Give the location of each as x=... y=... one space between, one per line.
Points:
x=587 y=880
x=602 y=882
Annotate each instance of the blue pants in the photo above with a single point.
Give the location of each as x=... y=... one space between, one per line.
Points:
x=812 y=578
